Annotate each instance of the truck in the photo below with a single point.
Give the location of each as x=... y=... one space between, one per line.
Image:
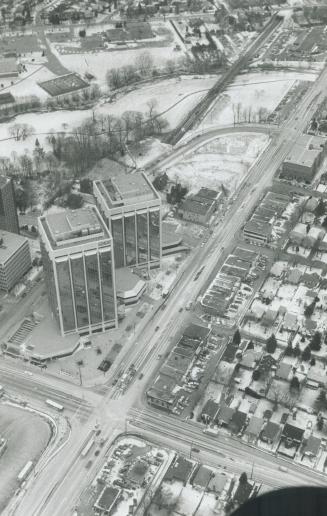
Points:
x=87 y=447
x=55 y=405
x=25 y=471
x=1 y=391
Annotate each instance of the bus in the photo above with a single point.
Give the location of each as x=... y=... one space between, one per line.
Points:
x=87 y=447
x=54 y=405
x=25 y=471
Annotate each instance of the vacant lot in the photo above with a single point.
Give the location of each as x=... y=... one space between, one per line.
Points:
x=251 y=97
x=27 y=436
x=225 y=160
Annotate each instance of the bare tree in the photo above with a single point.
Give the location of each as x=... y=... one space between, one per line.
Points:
x=144 y=63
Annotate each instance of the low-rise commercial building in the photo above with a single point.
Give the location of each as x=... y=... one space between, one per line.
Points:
x=260 y=227
x=15 y=259
x=199 y=208
x=304 y=158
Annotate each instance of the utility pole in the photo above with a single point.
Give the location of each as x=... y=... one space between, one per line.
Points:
x=252 y=470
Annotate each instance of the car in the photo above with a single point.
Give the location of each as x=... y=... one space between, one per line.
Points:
x=141 y=376
x=283 y=468
x=156 y=328
x=309 y=425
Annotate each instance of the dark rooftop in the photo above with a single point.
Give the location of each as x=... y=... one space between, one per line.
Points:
x=180 y=470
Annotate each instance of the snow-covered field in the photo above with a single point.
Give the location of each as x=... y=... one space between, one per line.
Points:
x=178 y=95
x=27 y=82
x=98 y=63
x=224 y=160
x=169 y=95
x=253 y=91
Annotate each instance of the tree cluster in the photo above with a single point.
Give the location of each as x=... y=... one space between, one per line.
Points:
x=271 y=344
x=176 y=194
x=129 y=74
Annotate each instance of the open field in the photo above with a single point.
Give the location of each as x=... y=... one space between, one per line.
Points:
x=177 y=96
x=27 y=436
x=253 y=96
x=225 y=161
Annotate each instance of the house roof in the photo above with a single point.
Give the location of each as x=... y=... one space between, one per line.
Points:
x=290 y=321
x=238 y=420
x=293 y=432
x=270 y=431
x=270 y=316
x=267 y=362
x=250 y=358
x=196 y=331
x=283 y=370
x=294 y=276
x=312 y=445
x=202 y=477
x=225 y=414
x=315 y=376
x=179 y=470
x=210 y=409
x=217 y=483
x=255 y=425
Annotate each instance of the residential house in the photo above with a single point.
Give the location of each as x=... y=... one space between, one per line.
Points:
x=179 y=470
x=237 y=422
x=253 y=429
x=202 y=478
x=270 y=433
x=225 y=415
x=311 y=446
x=209 y=412
x=292 y=435
x=284 y=371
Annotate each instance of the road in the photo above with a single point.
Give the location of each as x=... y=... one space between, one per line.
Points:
x=50 y=494
x=36 y=389
x=222 y=450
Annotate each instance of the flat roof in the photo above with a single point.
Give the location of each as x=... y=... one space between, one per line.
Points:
x=19 y=44
x=11 y=242
x=126 y=189
x=63 y=84
x=305 y=150
x=71 y=227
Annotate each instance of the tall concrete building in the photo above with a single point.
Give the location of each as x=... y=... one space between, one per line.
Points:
x=79 y=270
x=8 y=210
x=15 y=259
x=131 y=208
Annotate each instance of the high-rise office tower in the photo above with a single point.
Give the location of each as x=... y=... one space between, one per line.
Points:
x=79 y=270
x=8 y=210
x=131 y=208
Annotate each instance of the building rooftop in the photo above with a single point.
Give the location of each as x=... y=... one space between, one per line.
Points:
x=10 y=243
x=19 y=44
x=127 y=189
x=202 y=477
x=8 y=65
x=254 y=426
x=180 y=470
x=305 y=150
x=73 y=226
x=107 y=498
